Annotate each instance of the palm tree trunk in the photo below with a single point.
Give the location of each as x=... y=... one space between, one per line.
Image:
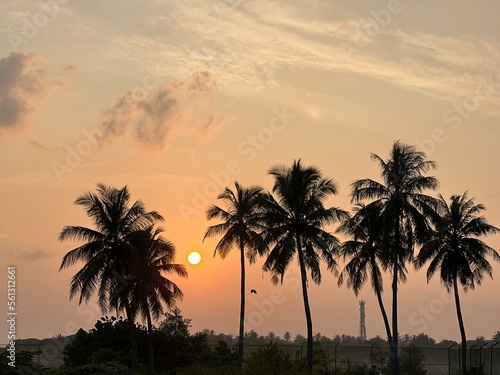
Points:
x=462 y=327
x=133 y=337
x=394 y=349
x=306 y=306
x=394 y=344
x=242 y=306
x=376 y=286
x=150 y=341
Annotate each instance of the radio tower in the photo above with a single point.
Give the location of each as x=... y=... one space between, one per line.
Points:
x=362 y=325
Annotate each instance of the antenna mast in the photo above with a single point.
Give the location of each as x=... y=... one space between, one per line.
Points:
x=362 y=322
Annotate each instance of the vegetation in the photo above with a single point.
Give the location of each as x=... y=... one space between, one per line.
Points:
x=106 y=343
x=269 y=359
x=124 y=257
x=105 y=350
x=127 y=262
x=24 y=364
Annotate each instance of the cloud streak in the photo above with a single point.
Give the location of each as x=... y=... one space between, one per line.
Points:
x=267 y=38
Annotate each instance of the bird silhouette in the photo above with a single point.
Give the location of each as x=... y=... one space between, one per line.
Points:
x=253 y=291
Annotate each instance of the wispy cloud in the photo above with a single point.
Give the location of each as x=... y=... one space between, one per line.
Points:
x=153 y=117
x=268 y=38
x=38 y=145
x=23 y=81
x=35 y=254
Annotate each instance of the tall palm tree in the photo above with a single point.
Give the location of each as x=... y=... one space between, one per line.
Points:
x=149 y=288
x=106 y=249
x=456 y=251
x=404 y=214
x=295 y=218
x=364 y=250
x=241 y=226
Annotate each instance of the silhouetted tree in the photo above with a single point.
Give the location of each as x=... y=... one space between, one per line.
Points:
x=456 y=251
x=496 y=336
x=149 y=288
x=299 y=339
x=364 y=251
x=107 y=251
x=446 y=343
x=423 y=340
x=404 y=212
x=240 y=228
x=295 y=218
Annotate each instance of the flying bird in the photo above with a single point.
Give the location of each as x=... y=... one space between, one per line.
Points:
x=253 y=291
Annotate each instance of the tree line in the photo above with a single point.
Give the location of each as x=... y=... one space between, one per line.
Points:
x=394 y=223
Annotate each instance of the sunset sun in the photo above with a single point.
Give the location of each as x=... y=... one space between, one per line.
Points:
x=194 y=257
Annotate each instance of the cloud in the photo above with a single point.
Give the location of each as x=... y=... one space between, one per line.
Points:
x=23 y=81
x=35 y=255
x=69 y=69
x=152 y=116
x=254 y=45
x=38 y=145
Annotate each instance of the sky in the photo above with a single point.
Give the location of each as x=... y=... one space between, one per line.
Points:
x=179 y=99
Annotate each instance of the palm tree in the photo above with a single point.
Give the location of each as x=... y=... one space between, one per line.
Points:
x=365 y=249
x=150 y=287
x=404 y=214
x=456 y=251
x=242 y=223
x=295 y=221
x=106 y=249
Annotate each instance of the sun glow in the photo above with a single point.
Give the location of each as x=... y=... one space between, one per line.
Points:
x=194 y=257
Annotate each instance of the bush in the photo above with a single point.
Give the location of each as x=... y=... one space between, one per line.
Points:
x=411 y=361
x=109 y=340
x=93 y=369
x=23 y=365
x=476 y=370
x=269 y=360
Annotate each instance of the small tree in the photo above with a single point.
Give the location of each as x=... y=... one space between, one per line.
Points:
x=412 y=361
x=496 y=336
x=269 y=360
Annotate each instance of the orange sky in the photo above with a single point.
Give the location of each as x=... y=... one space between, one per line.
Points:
x=178 y=99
